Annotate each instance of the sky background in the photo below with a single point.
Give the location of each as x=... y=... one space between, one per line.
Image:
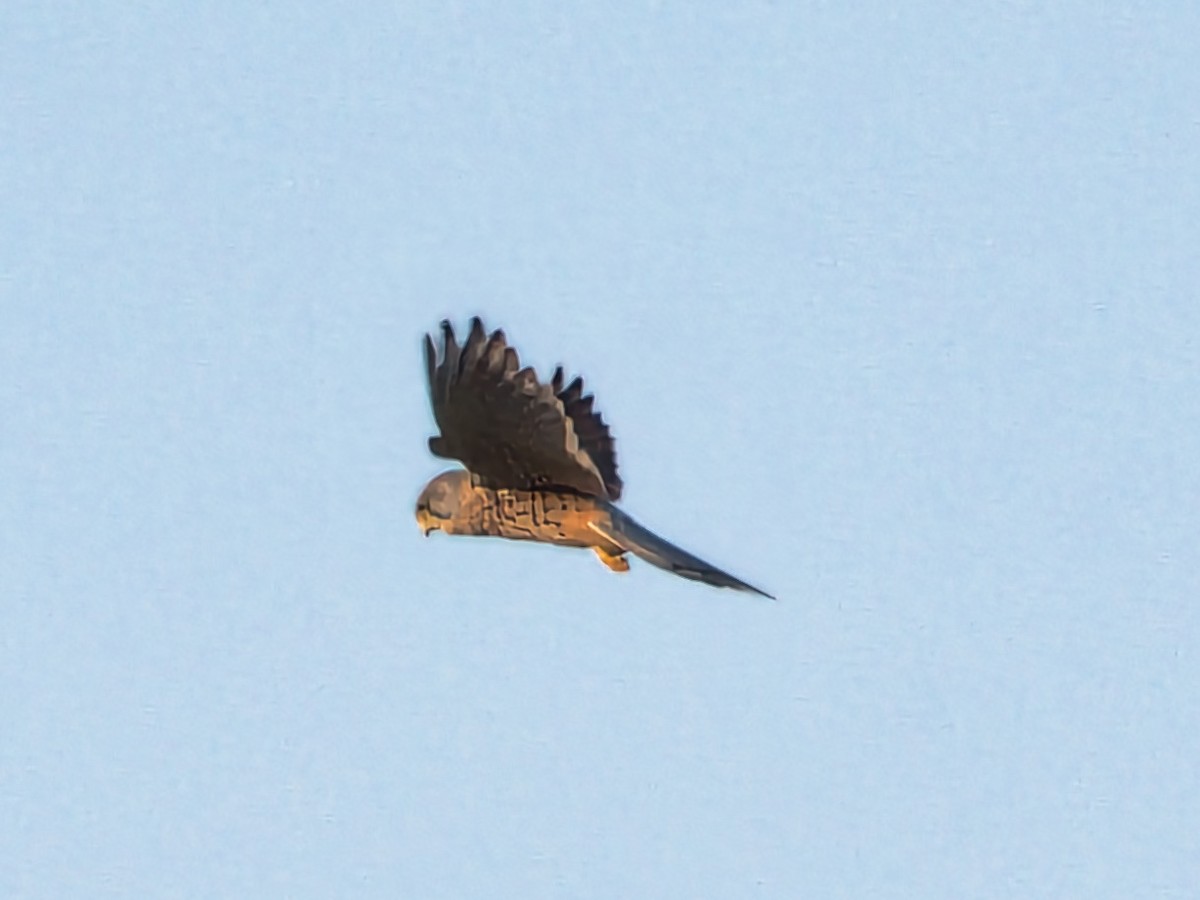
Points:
x=893 y=311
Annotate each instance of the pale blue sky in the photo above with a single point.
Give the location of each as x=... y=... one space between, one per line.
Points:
x=893 y=311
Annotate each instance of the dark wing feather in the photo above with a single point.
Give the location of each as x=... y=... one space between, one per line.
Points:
x=591 y=429
x=508 y=428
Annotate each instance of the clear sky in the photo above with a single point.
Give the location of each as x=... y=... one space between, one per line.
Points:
x=892 y=308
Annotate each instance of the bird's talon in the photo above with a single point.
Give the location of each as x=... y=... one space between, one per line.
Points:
x=615 y=561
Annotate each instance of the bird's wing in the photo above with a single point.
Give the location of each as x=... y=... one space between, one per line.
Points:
x=510 y=429
x=634 y=538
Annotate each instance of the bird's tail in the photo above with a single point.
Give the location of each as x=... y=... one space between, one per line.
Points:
x=627 y=534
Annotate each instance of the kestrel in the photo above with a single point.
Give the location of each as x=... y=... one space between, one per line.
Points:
x=540 y=462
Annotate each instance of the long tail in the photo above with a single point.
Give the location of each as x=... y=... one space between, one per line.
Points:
x=644 y=543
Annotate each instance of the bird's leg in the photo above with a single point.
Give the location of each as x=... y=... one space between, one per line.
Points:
x=615 y=561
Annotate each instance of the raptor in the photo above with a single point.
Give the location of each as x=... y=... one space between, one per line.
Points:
x=541 y=463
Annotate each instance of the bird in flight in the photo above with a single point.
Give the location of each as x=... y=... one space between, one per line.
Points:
x=541 y=464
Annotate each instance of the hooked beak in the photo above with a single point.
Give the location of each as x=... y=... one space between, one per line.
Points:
x=425 y=521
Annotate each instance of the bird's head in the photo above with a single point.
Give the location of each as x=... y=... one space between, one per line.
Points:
x=440 y=500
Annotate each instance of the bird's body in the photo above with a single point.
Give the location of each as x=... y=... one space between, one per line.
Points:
x=554 y=517
x=541 y=464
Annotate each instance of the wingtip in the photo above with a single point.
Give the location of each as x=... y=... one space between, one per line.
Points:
x=751 y=589
x=430 y=358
